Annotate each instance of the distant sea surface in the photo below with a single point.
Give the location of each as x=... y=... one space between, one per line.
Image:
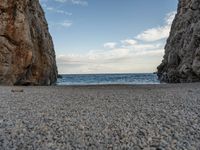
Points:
x=99 y=79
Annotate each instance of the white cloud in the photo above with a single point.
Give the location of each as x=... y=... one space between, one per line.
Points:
x=154 y=34
x=75 y=2
x=157 y=33
x=110 y=45
x=63 y=24
x=122 y=59
x=129 y=55
x=170 y=17
x=129 y=42
x=66 y=23
x=54 y=10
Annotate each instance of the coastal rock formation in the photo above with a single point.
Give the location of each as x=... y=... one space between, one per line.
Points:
x=27 y=54
x=181 y=61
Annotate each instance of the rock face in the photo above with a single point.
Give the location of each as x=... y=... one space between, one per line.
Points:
x=181 y=61
x=27 y=54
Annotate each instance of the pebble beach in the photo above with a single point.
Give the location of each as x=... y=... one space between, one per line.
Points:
x=134 y=117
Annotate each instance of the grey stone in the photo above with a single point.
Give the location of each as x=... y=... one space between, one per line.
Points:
x=181 y=62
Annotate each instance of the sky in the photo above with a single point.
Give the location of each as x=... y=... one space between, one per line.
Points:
x=109 y=36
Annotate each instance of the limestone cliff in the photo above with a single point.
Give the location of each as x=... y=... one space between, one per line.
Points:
x=27 y=54
x=181 y=61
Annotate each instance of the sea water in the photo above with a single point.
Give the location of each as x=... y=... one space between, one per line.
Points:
x=99 y=79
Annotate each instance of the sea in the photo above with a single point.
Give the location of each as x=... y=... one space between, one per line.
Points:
x=101 y=79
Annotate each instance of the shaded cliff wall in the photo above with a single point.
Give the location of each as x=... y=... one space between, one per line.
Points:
x=181 y=61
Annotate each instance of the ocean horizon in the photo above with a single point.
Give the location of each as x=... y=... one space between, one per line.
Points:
x=108 y=79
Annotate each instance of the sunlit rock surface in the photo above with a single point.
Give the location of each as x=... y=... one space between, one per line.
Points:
x=27 y=54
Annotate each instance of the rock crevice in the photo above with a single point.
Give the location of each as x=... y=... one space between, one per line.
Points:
x=181 y=61
x=27 y=55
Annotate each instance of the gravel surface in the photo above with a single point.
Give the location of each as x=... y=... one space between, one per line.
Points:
x=100 y=117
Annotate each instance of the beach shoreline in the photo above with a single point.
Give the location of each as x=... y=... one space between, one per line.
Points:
x=160 y=116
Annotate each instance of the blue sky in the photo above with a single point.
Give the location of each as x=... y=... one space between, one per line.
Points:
x=109 y=36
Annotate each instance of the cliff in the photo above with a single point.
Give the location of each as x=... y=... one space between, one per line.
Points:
x=27 y=54
x=181 y=61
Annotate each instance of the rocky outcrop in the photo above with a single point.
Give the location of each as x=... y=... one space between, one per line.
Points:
x=27 y=54
x=181 y=61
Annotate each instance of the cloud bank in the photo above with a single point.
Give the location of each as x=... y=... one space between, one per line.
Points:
x=144 y=52
x=157 y=33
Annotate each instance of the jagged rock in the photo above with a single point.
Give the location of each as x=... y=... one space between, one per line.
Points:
x=181 y=61
x=27 y=54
